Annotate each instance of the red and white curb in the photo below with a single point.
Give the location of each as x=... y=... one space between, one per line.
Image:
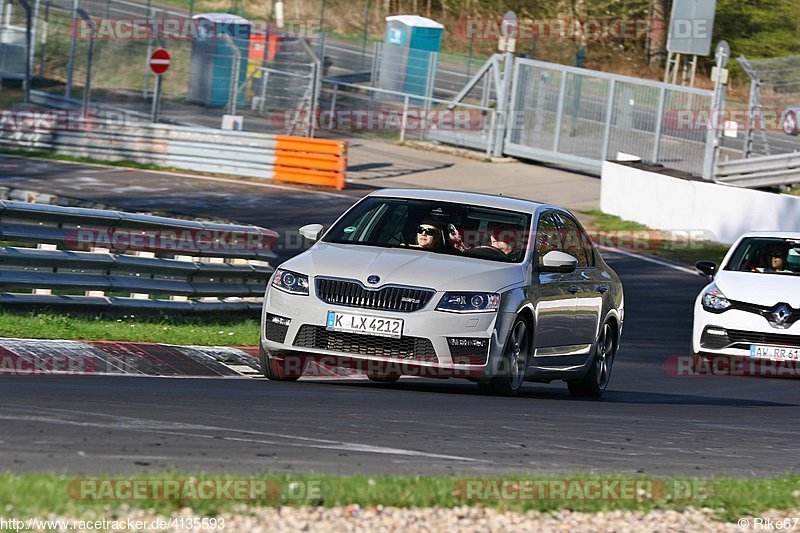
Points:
x=26 y=357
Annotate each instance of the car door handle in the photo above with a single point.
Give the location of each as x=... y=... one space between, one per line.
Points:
x=602 y=288
x=573 y=289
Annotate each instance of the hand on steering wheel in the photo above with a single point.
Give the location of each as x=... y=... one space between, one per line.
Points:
x=482 y=249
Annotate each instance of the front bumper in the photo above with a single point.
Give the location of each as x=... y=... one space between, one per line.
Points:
x=733 y=332
x=300 y=331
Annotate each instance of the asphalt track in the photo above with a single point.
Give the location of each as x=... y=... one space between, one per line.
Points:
x=648 y=422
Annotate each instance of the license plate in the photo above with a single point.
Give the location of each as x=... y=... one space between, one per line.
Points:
x=366 y=325
x=778 y=353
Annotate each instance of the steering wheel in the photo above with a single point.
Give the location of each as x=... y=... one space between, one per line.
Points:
x=482 y=250
x=401 y=241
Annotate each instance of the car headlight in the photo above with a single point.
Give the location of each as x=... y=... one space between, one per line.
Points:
x=714 y=300
x=290 y=282
x=469 y=302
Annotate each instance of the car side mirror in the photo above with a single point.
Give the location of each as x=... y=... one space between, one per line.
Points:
x=707 y=268
x=311 y=231
x=555 y=261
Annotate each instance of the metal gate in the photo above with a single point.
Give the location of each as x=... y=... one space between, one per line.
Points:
x=579 y=118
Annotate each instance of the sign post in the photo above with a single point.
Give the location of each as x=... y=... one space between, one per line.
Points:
x=159 y=63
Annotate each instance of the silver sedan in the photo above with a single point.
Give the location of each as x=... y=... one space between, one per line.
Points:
x=447 y=284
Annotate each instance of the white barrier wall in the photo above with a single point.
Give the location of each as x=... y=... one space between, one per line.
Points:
x=669 y=203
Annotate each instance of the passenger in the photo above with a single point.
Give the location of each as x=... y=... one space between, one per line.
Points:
x=502 y=240
x=455 y=238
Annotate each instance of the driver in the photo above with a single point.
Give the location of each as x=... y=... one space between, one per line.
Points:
x=775 y=259
x=430 y=236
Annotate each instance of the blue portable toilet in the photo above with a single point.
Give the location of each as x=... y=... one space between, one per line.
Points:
x=211 y=67
x=409 y=45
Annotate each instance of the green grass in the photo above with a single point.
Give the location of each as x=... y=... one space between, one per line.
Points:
x=42 y=494
x=637 y=237
x=172 y=330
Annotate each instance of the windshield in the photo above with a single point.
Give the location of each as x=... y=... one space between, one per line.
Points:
x=435 y=227
x=766 y=255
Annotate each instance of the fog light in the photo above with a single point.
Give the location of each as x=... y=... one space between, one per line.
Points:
x=468 y=351
x=720 y=332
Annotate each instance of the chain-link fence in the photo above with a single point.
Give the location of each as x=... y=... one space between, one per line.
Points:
x=772 y=122
x=13 y=43
x=216 y=67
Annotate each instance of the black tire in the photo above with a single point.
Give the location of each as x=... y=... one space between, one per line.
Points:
x=595 y=382
x=516 y=357
x=382 y=377
x=275 y=368
x=790 y=126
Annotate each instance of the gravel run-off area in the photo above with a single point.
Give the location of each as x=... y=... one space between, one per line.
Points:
x=464 y=519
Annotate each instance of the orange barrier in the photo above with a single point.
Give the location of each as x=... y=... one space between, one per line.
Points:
x=310 y=161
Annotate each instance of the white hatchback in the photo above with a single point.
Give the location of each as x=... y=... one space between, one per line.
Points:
x=751 y=307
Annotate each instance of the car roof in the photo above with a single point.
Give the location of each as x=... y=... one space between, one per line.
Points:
x=775 y=234
x=458 y=197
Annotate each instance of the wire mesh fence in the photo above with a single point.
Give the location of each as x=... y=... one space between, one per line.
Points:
x=213 y=71
x=772 y=123
x=582 y=118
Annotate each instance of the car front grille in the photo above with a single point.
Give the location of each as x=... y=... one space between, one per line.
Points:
x=410 y=348
x=749 y=337
x=743 y=339
x=353 y=294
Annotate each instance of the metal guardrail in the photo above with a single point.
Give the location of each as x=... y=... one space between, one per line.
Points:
x=256 y=155
x=764 y=171
x=115 y=260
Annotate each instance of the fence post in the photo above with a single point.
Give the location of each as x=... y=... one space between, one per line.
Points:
x=717 y=106
x=71 y=59
x=34 y=31
x=752 y=108
x=149 y=52
x=44 y=38
x=562 y=91
x=264 y=81
x=662 y=97
x=373 y=76
x=433 y=59
x=28 y=48
x=87 y=86
x=333 y=99
x=364 y=36
x=404 y=120
x=609 y=118
x=502 y=104
x=492 y=133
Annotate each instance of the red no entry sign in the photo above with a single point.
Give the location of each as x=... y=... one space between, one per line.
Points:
x=159 y=61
